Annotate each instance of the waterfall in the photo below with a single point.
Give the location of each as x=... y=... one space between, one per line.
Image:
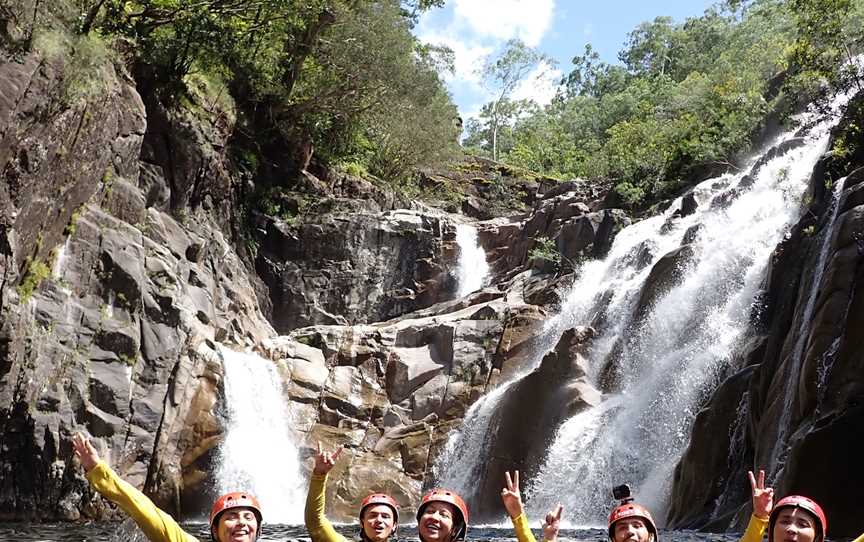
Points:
x=259 y=453
x=460 y=466
x=671 y=357
x=473 y=267
x=667 y=359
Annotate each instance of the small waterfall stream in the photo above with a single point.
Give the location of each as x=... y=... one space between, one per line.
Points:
x=780 y=450
x=458 y=467
x=668 y=358
x=473 y=267
x=259 y=454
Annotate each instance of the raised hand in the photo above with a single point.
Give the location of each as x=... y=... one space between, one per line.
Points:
x=763 y=497
x=511 y=496
x=552 y=524
x=324 y=461
x=84 y=451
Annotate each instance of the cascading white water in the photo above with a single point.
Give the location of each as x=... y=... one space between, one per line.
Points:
x=473 y=267
x=60 y=259
x=259 y=454
x=676 y=353
x=458 y=467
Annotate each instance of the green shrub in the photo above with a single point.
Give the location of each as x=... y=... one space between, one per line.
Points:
x=36 y=271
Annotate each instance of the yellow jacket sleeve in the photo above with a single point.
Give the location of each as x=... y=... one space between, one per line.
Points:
x=755 y=530
x=156 y=524
x=860 y=538
x=523 y=532
x=319 y=527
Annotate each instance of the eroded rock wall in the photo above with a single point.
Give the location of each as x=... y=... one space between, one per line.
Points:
x=126 y=260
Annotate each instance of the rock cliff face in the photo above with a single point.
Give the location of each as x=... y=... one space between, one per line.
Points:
x=125 y=261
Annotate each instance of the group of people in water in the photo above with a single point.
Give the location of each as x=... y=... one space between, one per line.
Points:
x=442 y=515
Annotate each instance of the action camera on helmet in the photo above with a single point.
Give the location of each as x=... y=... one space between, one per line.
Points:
x=622 y=493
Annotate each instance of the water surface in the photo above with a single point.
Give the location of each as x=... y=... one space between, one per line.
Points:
x=128 y=532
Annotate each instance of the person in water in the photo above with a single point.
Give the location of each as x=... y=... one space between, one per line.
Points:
x=379 y=513
x=512 y=499
x=234 y=517
x=631 y=522
x=442 y=517
x=794 y=518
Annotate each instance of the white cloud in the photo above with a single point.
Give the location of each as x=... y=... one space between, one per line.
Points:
x=475 y=29
x=527 y=20
x=540 y=85
x=467 y=56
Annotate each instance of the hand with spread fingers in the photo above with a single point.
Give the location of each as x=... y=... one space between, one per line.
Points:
x=324 y=461
x=511 y=496
x=84 y=451
x=763 y=497
x=552 y=524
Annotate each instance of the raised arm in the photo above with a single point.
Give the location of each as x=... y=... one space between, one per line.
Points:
x=763 y=502
x=319 y=527
x=512 y=499
x=763 y=497
x=552 y=524
x=156 y=524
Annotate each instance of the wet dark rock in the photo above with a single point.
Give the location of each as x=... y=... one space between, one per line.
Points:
x=712 y=506
x=354 y=268
x=725 y=198
x=778 y=150
x=520 y=436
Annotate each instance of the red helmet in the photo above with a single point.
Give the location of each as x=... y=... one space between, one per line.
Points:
x=234 y=500
x=805 y=503
x=380 y=498
x=443 y=495
x=630 y=510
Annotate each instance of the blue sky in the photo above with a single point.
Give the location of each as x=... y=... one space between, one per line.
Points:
x=559 y=28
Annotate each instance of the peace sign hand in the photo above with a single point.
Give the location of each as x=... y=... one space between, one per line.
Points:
x=324 y=461
x=552 y=524
x=763 y=497
x=511 y=496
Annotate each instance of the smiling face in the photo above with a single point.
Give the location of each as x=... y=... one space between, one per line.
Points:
x=237 y=525
x=794 y=525
x=437 y=521
x=632 y=529
x=378 y=522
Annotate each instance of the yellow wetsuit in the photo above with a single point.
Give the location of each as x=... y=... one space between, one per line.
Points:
x=754 y=532
x=755 y=529
x=319 y=527
x=523 y=532
x=156 y=524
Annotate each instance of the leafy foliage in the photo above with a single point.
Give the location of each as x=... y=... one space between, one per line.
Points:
x=502 y=75
x=687 y=99
x=343 y=77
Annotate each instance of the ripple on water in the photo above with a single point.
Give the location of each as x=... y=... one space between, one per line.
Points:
x=127 y=532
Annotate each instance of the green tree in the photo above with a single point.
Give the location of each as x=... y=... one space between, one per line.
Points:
x=503 y=74
x=592 y=77
x=824 y=43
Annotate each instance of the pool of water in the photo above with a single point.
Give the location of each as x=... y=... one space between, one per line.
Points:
x=127 y=531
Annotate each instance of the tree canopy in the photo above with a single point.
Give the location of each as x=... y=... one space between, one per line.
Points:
x=346 y=77
x=687 y=99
